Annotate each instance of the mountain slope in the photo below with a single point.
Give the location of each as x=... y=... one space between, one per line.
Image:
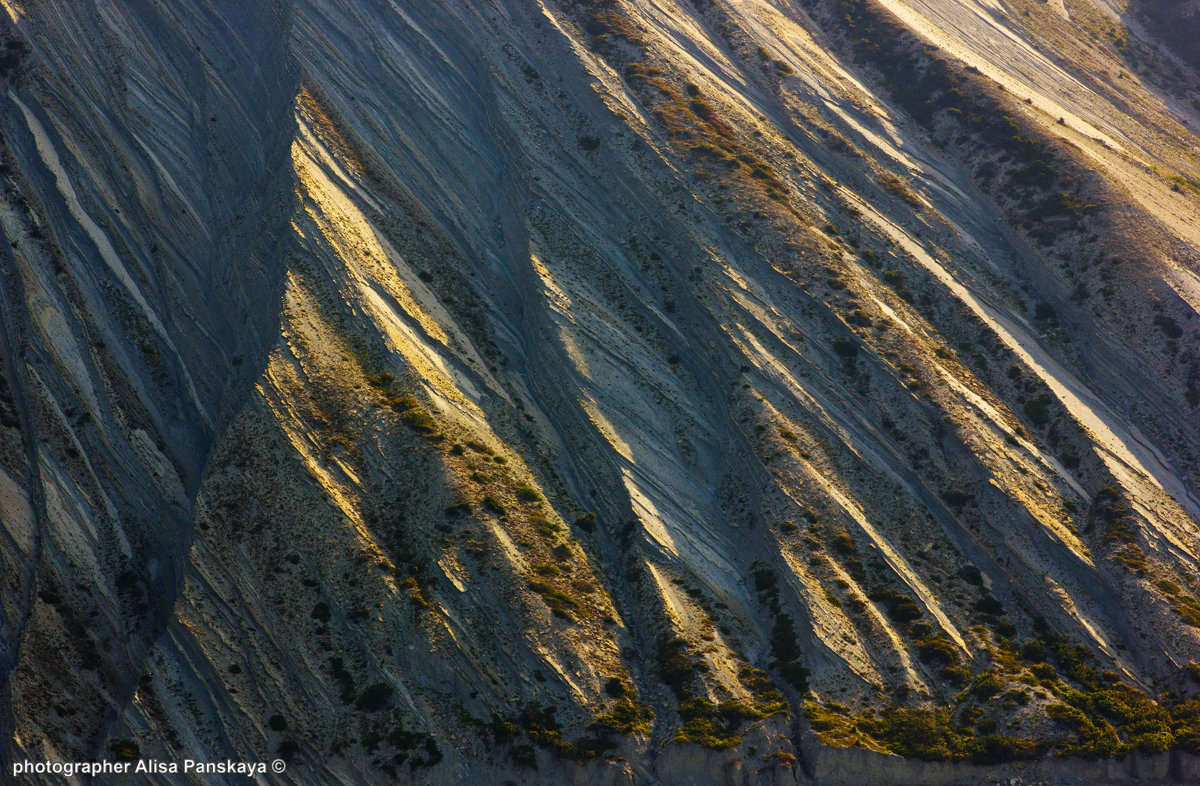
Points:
x=615 y=391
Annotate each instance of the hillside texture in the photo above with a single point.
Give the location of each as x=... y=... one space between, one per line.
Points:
x=602 y=391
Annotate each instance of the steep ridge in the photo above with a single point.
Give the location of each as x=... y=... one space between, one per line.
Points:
x=607 y=391
x=138 y=142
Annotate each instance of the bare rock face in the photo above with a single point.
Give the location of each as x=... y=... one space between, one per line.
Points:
x=601 y=392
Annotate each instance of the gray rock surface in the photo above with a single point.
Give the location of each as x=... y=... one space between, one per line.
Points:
x=394 y=388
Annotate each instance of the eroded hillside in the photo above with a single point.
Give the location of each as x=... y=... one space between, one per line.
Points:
x=614 y=391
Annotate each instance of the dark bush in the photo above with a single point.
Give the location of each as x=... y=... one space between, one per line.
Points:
x=955 y=498
x=1061 y=204
x=674 y=666
x=971 y=575
x=898 y=606
x=11 y=55
x=843 y=544
x=1033 y=652
x=783 y=639
x=999 y=748
x=375 y=697
x=845 y=349
x=937 y=651
x=764 y=578
x=1044 y=312
x=1038 y=410
x=524 y=755
x=989 y=605
x=1169 y=327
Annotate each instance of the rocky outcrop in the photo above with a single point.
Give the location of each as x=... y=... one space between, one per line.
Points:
x=855 y=765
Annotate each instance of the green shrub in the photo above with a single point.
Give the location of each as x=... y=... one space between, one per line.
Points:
x=415 y=594
x=561 y=604
x=919 y=734
x=899 y=188
x=843 y=544
x=1190 y=613
x=527 y=493
x=419 y=420
x=402 y=403
x=1167 y=586
x=767 y=698
x=706 y=732
x=987 y=685
x=937 y=651
x=627 y=716
x=545 y=527
x=1044 y=671
x=1017 y=697
x=1062 y=204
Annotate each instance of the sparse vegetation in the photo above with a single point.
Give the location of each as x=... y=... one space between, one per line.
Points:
x=560 y=603
x=527 y=493
x=492 y=505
